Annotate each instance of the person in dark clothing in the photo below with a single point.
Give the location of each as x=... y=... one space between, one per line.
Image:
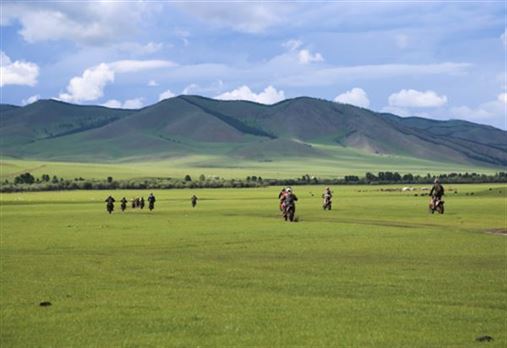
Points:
x=437 y=191
x=141 y=203
x=151 y=201
x=328 y=197
x=289 y=205
x=110 y=204
x=194 y=199
x=123 y=204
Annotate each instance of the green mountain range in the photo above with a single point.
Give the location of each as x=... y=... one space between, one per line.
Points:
x=193 y=125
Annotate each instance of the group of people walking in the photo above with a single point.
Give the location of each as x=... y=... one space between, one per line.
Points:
x=137 y=202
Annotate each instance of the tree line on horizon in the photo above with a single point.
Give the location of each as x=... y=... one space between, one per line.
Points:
x=28 y=182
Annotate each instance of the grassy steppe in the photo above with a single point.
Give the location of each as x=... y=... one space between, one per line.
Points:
x=343 y=162
x=378 y=270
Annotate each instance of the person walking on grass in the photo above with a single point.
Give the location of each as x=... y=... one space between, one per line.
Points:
x=194 y=199
x=151 y=202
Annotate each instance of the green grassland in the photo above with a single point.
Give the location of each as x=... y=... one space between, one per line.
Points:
x=342 y=162
x=377 y=270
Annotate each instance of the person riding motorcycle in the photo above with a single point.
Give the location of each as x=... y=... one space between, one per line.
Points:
x=328 y=197
x=110 y=204
x=436 y=193
x=123 y=205
x=289 y=204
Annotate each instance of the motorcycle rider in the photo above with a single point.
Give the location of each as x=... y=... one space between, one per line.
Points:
x=123 y=205
x=327 y=195
x=436 y=193
x=110 y=204
x=289 y=204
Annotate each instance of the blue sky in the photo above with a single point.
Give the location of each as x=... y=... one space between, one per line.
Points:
x=434 y=59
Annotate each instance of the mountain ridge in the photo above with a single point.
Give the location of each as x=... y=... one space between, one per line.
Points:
x=189 y=125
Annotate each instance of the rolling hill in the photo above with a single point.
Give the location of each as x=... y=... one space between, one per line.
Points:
x=240 y=130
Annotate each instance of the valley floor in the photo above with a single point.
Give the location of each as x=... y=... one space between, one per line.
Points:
x=377 y=270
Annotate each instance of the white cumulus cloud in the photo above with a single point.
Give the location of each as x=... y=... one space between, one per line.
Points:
x=135 y=103
x=30 y=100
x=191 y=87
x=123 y=66
x=113 y=103
x=396 y=111
x=18 y=72
x=356 y=96
x=165 y=95
x=413 y=98
x=292 y=44
x=92 y=23
x=90 y=85
x=305 y=57
x=473 y=114
x=269 y=96
x=490 y=112
x=137 y=48
x=152 y=83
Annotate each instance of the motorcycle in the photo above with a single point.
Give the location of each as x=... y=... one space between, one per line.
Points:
x=436 y=205
x=327 y=203
x=289 y=211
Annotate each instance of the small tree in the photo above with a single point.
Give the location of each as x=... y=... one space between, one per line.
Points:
x=370 y=176
x=188 y=178
x=408 y=177
x=25 y=178
x=109 y=179
x=202 y=177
